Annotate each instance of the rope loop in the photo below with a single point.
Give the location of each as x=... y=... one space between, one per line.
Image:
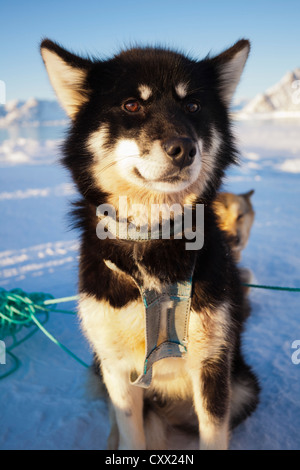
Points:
x=19 y=310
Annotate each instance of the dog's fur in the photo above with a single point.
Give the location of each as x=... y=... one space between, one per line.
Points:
x=236 y=216
x=124 y=113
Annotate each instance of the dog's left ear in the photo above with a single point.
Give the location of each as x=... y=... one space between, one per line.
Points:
x=248 y=194
x=67 y=73
x=230 y=65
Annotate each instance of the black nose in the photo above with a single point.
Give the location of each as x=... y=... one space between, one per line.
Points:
x=181 y=150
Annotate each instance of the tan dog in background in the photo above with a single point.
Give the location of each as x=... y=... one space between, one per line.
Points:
x=236 y=217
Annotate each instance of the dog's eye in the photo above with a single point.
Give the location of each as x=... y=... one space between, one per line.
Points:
x=132 y=106
x=240 y=216
x=192 y=107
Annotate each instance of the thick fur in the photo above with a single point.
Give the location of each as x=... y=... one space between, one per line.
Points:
x=236 y=216
x=110 y=152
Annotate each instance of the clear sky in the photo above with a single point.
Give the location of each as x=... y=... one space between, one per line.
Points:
x=103 y=27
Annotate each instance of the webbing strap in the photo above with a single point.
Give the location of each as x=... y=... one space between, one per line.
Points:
x=167 y=317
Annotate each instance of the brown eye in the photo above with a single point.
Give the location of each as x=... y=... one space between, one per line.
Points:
x=132 y=106
x=192 y=107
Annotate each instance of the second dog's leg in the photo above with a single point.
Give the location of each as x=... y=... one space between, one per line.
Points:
x=128 y=401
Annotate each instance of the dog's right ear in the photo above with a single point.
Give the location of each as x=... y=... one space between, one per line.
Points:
x=230 y=65
x=67 y=73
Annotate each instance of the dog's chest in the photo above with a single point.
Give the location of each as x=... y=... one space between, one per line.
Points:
x=117 y=335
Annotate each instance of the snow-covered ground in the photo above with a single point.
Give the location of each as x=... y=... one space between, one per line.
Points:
x=44 y=405
x=33 y=112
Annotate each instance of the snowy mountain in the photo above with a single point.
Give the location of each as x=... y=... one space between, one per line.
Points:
x=32 y=112
x=35 y=112
x=281 y=100
x=238 y=104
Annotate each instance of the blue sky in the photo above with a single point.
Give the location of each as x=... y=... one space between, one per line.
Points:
x=103 y=27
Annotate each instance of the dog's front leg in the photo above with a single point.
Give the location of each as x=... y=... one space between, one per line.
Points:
x=211 y=388
x=127 y=401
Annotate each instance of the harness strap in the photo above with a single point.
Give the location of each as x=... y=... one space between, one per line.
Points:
x=167 y=317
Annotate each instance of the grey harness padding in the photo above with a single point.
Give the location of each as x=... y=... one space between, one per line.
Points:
x=167 y=318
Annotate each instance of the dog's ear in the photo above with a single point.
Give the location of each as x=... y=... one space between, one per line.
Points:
x=230 y=65
x=248 y=194
x=67 y=73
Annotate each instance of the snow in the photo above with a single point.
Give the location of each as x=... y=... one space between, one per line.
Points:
x=29 y=151
x=32 y=112
x=290 y=165
x=45 y=404
x=61 y=189
x=239 y=103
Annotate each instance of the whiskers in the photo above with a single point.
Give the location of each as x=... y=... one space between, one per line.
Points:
x=98 y=171
x=115 y=162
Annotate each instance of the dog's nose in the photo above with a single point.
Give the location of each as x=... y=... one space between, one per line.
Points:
x=181 y=150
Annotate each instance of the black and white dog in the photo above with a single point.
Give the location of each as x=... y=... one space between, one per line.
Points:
x=152 y=126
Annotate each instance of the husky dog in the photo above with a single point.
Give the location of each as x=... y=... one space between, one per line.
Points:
x=236 y=217
x=152 y=125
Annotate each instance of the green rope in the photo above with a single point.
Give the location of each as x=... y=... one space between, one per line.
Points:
x=289 y=289
x=19 y=310
x=62 y=299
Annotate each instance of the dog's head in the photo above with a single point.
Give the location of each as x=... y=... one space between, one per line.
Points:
x=148 y=123
x=236 y=215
